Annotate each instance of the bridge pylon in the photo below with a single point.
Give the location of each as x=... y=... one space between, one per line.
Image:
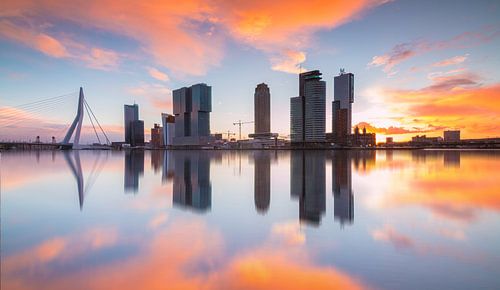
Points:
x=77 y=124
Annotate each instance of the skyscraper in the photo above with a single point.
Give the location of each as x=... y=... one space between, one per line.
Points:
x=192 y=107
x=262 y=109
x=137 y=133
x=342 y=105
x=131 y=113
x=307 y=111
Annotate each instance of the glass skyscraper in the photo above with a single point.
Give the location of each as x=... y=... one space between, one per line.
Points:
x=192 y=107
x=342 y=104
x=307 y=111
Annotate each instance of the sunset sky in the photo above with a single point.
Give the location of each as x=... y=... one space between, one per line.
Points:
x=420 y=66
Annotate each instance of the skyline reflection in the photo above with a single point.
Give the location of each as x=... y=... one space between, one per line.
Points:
x=214 y=218
x=192 y=188
x=134 y=169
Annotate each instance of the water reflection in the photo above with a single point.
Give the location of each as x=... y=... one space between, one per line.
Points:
x=262 y=180
x=436 y=212
x=307 y=184
x=451 y=158
x=134 y=169
x=342 y=188
x=73 y=161
x=192 y=187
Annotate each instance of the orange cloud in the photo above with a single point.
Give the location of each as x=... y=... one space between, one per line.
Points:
x=285 y=36
x=185 y=255
x=446 y=193
x=392 y=130
x=274 y=269
x=188 y=37
x=454 y=101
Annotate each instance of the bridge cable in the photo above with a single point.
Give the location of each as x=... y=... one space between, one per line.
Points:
x=102 y=130
x=44 y=100
x=17 y=117
x=91 y=122
x=32 y=108
x=26 y=116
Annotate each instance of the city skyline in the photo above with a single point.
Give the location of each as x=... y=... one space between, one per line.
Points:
x=413 y=78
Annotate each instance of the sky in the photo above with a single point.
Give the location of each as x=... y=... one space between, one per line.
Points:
x=420 y=67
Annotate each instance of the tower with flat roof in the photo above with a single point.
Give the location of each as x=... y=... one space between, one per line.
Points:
x=307 y=111
x=342 y=104
x=192 y=107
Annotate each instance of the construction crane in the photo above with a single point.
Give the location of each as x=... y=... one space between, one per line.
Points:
x=239 y=123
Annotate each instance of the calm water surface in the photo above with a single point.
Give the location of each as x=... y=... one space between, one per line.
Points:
x=250 y=220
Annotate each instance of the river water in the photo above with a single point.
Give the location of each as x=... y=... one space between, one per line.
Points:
x=421 y=219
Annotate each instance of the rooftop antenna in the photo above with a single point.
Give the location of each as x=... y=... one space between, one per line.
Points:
x=342 y=71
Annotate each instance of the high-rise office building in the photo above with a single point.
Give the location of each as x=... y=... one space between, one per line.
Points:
x=262 y=109
x=137 y=133
x=342 y=105
x=262 y=115
x=131 y=113
x=307 y=111
x=192 y=107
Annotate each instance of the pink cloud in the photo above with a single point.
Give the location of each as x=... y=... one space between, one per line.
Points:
x=404 y=51
x=398 y=54
x=36 y=38
x=451 y=61
x=159 y=96
x=289 y=61
x=157 y=74
x=166 y=256
x=389 y=234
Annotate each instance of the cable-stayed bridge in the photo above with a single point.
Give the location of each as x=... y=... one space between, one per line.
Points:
x=71 y=140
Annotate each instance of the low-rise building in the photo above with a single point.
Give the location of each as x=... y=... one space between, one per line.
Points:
x=451 y=136
x=424 y=140
x=157 y=136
